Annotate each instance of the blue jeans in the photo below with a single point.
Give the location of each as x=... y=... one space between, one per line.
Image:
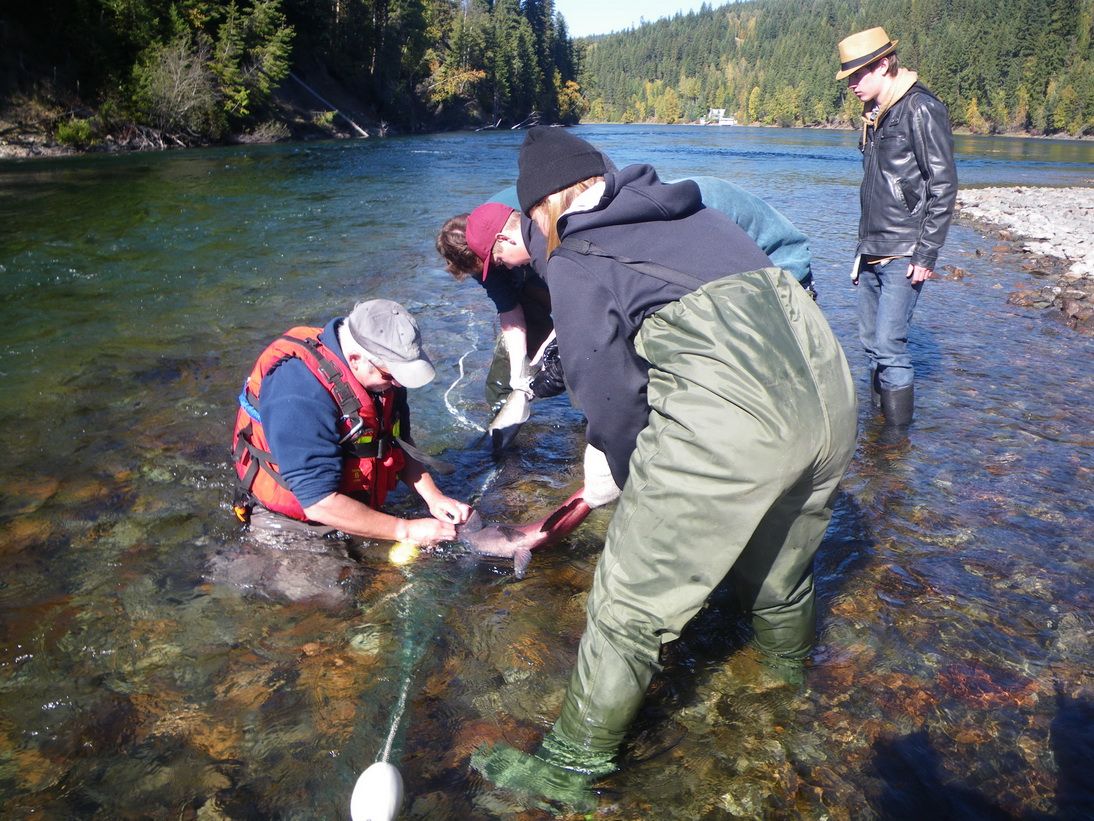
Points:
x=886 y=300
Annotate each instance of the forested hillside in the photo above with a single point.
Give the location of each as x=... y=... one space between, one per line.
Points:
x=1000 y=65
x=196 y=70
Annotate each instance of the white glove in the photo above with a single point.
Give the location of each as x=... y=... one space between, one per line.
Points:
x=600 y=487
x=520 y=378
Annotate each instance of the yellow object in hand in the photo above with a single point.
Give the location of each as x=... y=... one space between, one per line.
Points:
x=403 y=553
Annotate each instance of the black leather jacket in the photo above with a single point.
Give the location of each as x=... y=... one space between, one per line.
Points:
x=909 y=185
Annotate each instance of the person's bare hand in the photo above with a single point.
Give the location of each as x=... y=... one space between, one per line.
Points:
x=429 y=531
x=449 y=510
x=918 y=274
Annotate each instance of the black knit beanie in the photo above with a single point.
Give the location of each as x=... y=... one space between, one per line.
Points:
x=552 y=159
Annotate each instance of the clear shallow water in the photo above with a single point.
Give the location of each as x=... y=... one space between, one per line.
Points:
x=154 y=664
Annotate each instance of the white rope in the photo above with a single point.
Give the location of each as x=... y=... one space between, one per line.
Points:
x=452 y=409
x=396 y=718
x=488 y=481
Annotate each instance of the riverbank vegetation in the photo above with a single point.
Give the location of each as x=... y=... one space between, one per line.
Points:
x=197 y=71
x=150 y=73
x=1022 y=66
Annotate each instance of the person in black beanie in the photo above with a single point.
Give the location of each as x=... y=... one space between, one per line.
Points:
x=723 y=407
x=552 y=159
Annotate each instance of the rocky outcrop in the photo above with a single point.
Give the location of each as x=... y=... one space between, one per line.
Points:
x=1056 y=226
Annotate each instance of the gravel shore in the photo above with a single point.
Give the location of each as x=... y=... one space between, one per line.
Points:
x=1047 y=222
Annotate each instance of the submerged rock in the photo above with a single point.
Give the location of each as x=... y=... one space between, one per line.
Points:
x=328 y=579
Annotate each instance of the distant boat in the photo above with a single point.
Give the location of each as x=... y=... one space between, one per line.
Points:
x=717 y=116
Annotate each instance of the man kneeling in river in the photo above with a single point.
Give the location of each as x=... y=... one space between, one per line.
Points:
x=322 y=432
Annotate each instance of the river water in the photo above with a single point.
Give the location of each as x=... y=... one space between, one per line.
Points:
x=156 y=663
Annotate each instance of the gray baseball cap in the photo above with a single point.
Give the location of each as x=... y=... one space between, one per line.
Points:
x=390 y=334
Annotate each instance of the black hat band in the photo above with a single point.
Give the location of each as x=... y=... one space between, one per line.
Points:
x=869 y=58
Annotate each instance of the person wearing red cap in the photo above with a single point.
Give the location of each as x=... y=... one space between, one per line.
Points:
x=502 y=243
x=494 y=246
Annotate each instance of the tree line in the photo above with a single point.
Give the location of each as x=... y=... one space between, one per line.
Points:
x=200 y=69
x=999 y=65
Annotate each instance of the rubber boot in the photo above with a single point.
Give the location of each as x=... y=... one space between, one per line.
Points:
x=875 y=389
x=787 y=632
x=532 y=776
x=605 y=693
x=898 y=405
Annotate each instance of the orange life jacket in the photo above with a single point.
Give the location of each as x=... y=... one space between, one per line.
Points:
x=370 y=429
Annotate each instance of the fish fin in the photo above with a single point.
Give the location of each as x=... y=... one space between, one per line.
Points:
x=514 y=412
x=502 y=438
x=521 y=557
x=473 y=524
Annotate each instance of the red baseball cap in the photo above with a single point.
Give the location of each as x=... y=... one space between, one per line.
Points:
x=483 y=226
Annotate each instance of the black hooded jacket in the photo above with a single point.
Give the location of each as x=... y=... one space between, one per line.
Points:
x=598 y=303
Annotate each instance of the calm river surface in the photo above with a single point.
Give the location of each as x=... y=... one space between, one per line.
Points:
x=156 y=664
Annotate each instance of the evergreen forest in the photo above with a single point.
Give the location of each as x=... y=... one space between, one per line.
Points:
x=196 y=71
x=999 y=65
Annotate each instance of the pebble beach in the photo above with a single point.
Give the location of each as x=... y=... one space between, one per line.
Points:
x=1056 y=227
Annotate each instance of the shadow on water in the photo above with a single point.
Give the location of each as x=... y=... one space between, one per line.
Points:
x=911 y=772
x=1072 y=734
x=915 y=784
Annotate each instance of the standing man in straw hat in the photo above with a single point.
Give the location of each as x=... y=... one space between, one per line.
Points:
x=908 y=191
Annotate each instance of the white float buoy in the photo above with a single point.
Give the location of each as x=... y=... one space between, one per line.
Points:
x=378 y=794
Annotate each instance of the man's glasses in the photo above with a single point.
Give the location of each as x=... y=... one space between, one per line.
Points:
x=384 y=373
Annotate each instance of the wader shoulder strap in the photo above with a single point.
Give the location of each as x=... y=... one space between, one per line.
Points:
x=343 y=394
x=650 y=269
x=259 y=459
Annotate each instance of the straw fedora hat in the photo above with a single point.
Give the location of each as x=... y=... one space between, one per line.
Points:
x=862 y=49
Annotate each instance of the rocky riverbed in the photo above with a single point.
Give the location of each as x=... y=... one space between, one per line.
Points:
x=1055 y=226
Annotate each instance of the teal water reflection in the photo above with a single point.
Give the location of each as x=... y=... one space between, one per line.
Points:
x=152 y=664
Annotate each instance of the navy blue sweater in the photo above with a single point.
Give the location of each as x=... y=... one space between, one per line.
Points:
x=300 y=419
